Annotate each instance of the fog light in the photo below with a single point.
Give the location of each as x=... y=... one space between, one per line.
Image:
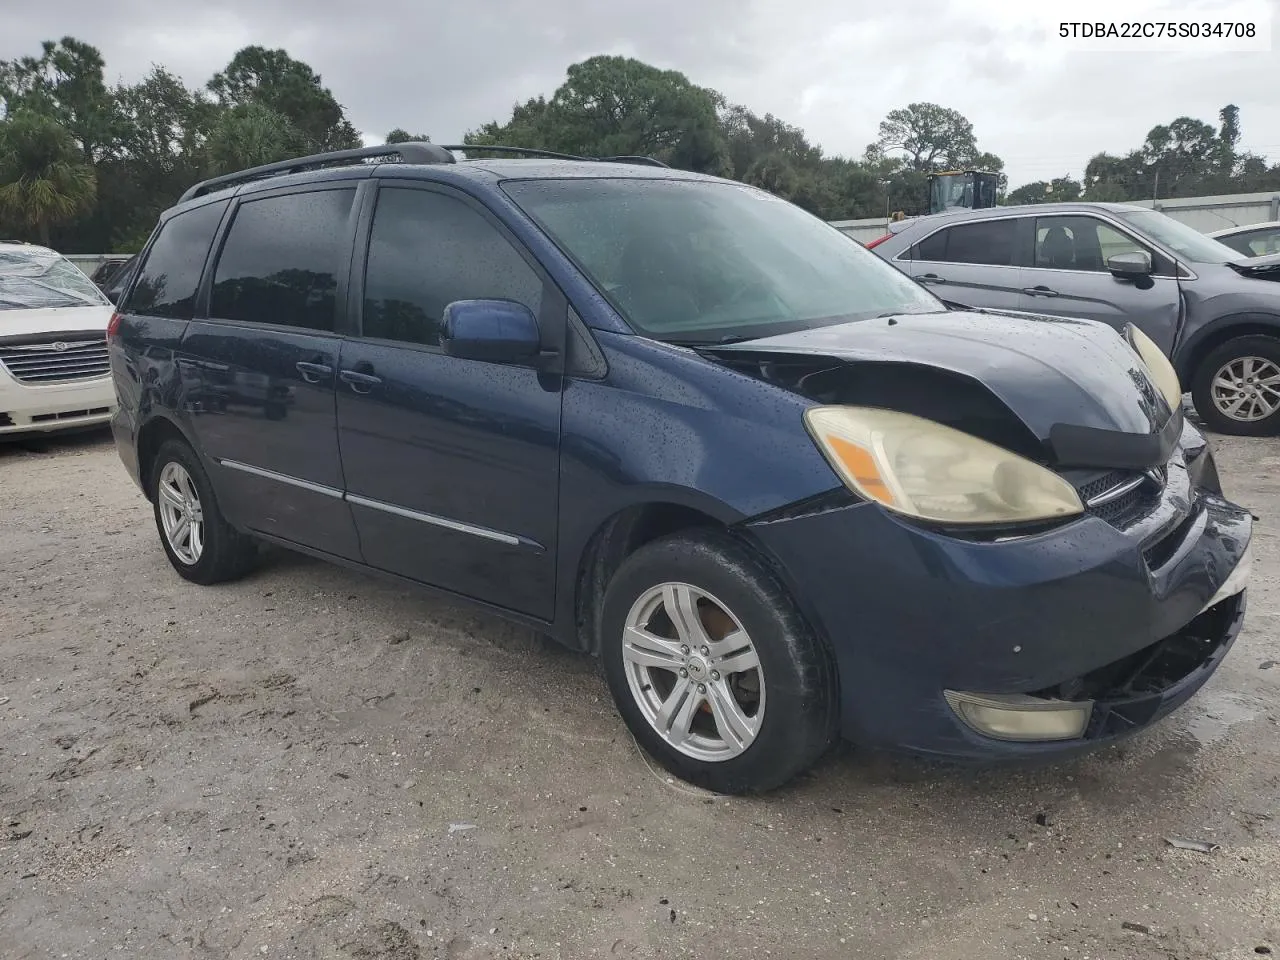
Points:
x=1236 y=580
x=1021 y=717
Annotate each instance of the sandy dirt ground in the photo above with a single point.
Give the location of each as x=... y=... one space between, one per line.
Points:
x=310 y=763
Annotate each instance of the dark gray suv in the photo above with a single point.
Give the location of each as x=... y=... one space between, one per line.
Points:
x=1207 y=306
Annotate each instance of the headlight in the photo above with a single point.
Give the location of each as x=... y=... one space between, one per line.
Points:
x=1162 y=373
x=926 y=470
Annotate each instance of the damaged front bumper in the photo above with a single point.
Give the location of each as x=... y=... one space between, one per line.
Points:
x=1115 y=621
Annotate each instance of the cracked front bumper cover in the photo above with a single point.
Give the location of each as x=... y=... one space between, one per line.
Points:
x=911 y=613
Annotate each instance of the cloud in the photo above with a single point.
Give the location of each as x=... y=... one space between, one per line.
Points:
x=829 y=66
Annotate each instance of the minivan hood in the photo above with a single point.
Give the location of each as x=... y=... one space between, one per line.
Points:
x=1076 y=385
x=53 y=320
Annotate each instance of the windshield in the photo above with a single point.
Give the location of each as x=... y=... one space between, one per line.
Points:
x=1187 y=242
x=33 y=278
x=706 y=262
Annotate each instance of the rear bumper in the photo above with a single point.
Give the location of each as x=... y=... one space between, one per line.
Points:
x=1087 y=611
x=124 y=429
x=56 y=406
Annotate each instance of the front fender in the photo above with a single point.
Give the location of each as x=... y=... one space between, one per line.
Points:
x=1203 y=338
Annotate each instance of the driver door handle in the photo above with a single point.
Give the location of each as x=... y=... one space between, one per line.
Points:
x=932 y=278
x=1039 y=291
x=313 y=372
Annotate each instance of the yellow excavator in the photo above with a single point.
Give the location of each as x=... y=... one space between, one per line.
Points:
x=962 y=190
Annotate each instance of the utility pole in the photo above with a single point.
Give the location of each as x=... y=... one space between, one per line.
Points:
x=1155 y=191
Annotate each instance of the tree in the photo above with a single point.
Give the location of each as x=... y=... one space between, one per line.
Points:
x=1112 y=179
x=617 y=106
x=1058 y=190
x=66 y=84
x=929 y=136
x=529 y=126
x=399 y=135
x=1187 y=157
x=252 y=134
x=43 y=177
x=1228 y=134
x=273 y=80
x=160 y=149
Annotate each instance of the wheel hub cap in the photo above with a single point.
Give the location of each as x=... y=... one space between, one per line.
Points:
x=699 y=672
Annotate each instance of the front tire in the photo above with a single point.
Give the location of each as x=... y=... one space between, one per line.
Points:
x=197 y=539
x=1236 y=388
x=713 y=668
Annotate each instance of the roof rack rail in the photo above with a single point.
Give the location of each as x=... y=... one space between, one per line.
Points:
x=514 y=151
x=551 y=155
x=409 y=152
x=641 y=161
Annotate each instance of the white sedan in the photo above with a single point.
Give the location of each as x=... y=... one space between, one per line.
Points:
x=54 y=373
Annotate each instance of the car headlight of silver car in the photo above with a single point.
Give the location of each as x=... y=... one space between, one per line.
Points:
x=929 y=471
x=1162 y=373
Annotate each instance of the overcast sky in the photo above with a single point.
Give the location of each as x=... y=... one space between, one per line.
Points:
x=832 y=67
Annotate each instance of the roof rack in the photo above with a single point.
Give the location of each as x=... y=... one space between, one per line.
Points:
x=639 y=161
x=551 y=155
x=513 y=151
x=408 y=152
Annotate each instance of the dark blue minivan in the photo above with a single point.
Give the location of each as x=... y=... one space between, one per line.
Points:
x=784 y=492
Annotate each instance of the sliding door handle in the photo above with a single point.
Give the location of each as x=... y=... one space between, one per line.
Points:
x=358 y=381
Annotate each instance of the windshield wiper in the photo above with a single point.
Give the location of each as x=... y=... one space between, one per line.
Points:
x=722 y=341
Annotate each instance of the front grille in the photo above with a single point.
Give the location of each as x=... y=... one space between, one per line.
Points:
x=1108 y=481
x=1126 y=510
x=1122 y=497
x=56 y=362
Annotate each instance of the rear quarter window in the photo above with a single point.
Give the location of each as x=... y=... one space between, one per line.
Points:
x=989 y=242
x=170 y=274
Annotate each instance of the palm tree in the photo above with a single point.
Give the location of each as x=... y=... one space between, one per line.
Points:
x=249 y=135
x=44 y=180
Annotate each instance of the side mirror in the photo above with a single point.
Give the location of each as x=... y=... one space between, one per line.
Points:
x=495 y=331
x=1136 y=264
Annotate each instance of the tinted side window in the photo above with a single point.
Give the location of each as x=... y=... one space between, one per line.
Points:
x=170 y=275
x=1080 y=243
x=428 y=250
x=281 y=260
x=991 y=242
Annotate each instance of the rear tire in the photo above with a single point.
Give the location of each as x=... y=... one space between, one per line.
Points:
x=1235 y=384
x=753 y=701
x=197 y=539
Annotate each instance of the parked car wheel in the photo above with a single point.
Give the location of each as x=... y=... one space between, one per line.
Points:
x=713 y=668
x=1236 y=388
x=199 y=542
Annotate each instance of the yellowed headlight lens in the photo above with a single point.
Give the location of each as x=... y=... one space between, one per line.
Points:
x=1162 y=373
x=933 y=472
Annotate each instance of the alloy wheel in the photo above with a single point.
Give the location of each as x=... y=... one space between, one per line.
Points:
x=181 y=514
x=1247 y=389
x=693 y=671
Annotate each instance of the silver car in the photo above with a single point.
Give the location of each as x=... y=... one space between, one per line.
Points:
x=1215 y=312
x=1255 y=240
